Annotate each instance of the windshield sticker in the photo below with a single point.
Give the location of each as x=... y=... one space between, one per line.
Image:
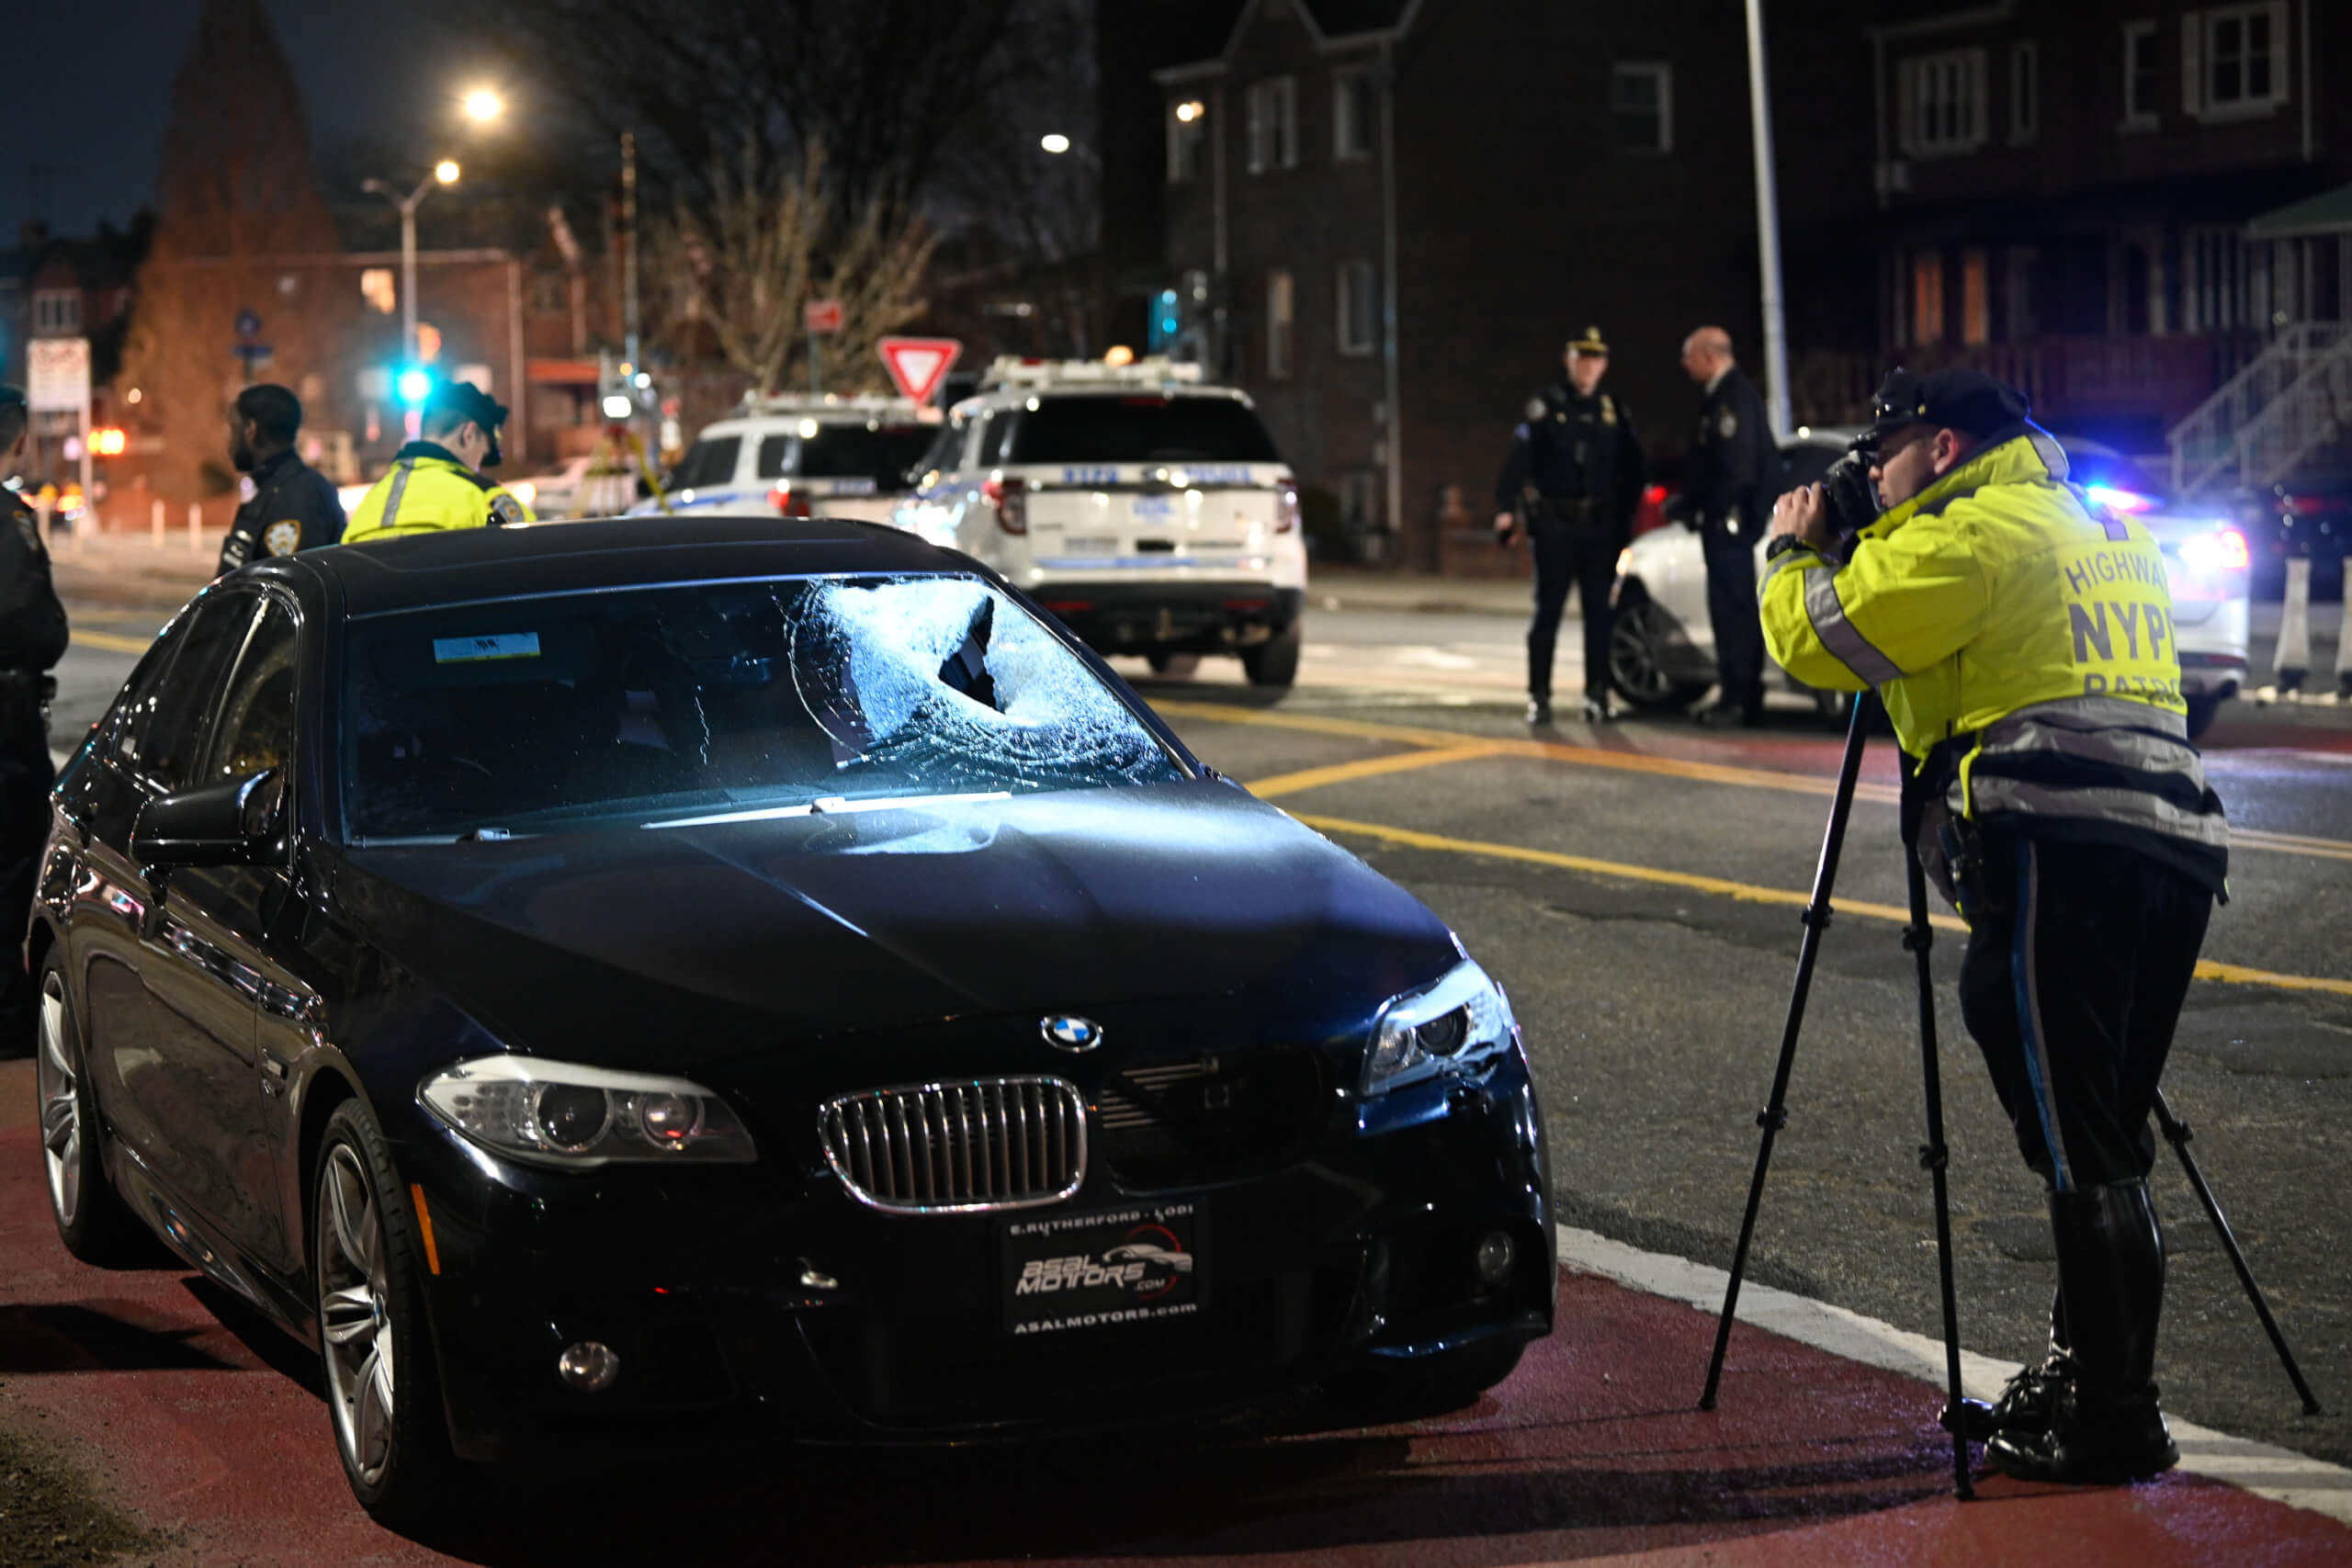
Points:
x=474 y=650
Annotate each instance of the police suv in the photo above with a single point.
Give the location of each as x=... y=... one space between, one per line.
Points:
x=802 y=456
x=1152 y=514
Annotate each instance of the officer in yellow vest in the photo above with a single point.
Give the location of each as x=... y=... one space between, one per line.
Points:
x=2023 y=645
x=435 y=482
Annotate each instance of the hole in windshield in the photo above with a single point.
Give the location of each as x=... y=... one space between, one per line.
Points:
x=685 y=705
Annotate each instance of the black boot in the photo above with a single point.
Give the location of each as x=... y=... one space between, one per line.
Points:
x=2105 y=1427
x=2027 y=1397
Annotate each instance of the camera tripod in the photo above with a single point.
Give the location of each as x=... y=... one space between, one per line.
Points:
x=1918 y=936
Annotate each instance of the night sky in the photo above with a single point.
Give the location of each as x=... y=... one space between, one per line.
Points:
x=90 y=87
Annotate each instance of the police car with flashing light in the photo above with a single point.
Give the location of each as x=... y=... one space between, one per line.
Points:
x=800 y=457
x=1662 y=646
x=1147 y=510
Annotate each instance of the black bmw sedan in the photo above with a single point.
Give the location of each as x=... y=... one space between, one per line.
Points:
x=622 y=984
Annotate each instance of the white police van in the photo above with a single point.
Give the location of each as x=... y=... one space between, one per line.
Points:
x=1149 y=512
x=801 y=455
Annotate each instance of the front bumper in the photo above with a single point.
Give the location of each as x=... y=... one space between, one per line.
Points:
x=763 y=1301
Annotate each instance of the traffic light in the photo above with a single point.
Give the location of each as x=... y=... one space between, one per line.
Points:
x=108 y=442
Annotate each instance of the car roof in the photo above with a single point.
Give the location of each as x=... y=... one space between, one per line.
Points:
x=1014 y=396
x=462 y=565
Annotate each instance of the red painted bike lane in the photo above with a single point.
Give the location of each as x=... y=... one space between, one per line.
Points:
x=200 y=1420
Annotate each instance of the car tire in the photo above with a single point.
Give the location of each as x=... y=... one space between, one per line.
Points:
x=1172 y=666
x=2202 y=712
x=1274 y=662
x=93 y=1220
x=1428 y=1385
x=1636 y=659
x=375 y=1347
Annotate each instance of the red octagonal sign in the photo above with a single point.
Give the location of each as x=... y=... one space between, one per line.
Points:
x=918 y=364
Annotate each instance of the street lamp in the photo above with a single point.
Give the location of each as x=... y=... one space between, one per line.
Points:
x=444 y=173
x=1054 y=141
x=482 y=105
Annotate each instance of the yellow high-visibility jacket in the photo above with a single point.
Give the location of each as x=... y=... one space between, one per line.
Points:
x=2024 y=649
x=427 y=491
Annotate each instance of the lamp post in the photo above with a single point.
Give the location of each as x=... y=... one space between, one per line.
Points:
x=445 y=172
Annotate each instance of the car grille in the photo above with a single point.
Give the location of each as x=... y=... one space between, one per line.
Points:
x=1214 y=1119
x=957 y=1147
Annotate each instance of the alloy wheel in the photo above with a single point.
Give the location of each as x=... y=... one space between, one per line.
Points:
x=1633 y=661
x=355 y=1313
x=60 y=1104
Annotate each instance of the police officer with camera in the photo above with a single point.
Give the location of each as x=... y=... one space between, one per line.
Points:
x=293 y=507
x=32 y=640
x=1730 y=474
x=436 y=482
x=1575 y=470
x=2023 y=645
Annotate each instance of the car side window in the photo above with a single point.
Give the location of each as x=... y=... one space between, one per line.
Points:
x=173 y=745
x=997 y=439
x=131 y=723
x=256 y=729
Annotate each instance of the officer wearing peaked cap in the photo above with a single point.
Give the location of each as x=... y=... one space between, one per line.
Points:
x=32 y=640
x=1575 y=472
x=2022 y=644
x=436 y=482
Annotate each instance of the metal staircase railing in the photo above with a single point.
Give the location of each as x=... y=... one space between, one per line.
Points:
x=2207 y=445
x=2313 y=412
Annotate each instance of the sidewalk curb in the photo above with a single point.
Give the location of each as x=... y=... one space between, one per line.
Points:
x=2275 y=1475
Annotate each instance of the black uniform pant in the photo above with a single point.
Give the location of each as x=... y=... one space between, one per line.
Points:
x=2079 y=956
x=1585 y=555
x=26 y=776
x=1731 y=610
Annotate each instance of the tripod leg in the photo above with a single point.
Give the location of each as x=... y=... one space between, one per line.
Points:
x=2178 y=1134
x=1919 y=936
x=1774 y=1116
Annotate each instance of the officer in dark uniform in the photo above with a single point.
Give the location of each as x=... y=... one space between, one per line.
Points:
x=294 y=507
x=32 y=640
x=1728 y=484
x=1574 y=470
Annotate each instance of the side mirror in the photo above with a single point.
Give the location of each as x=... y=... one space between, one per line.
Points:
x=224 y=824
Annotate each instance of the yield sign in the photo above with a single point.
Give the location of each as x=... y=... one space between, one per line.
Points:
x=918 y=364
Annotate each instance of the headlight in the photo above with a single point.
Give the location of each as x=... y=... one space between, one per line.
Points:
x=1448 y=1029
x=561 y=1113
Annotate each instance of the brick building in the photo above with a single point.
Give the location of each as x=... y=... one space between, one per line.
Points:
x=2068 y=196
x=1397 y=211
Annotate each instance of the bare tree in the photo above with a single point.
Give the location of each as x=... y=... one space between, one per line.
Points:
x=743 y=263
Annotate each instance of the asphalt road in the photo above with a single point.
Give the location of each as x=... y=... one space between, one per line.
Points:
x=1625 y=893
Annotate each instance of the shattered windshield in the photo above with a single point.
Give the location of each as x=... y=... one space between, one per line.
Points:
x=664 y=706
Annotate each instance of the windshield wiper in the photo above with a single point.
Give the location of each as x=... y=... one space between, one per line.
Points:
x=830 y=806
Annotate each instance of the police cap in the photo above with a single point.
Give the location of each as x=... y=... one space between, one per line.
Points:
x=466 y=401
x=1592 y=343
x=1957 y=399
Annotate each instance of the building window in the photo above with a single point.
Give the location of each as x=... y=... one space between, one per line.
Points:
x=1975 y=301
x=1928 y=296
x=1352 y=108
x=2139 y=75
x=1640 y=105
x=376 y=287
x=57 y=311
x=2212 y=280
x=1943 y=103
x=1280 y=316
x=1273 y=124
x=2025 y=93
x=2232 y=60
x=1188 y=140
x=1359 y=309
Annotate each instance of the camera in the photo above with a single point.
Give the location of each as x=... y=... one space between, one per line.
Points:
x=1849 y=499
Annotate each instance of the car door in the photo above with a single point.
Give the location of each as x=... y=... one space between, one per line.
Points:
x=169 y=694
x=201 y=964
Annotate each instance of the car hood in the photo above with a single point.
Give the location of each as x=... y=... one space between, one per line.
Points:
x=673 y=946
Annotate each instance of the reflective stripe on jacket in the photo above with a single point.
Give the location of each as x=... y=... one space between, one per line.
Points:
x=428 y=491
x=2028 y=640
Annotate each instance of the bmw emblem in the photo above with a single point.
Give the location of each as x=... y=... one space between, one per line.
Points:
x=1068 y=1033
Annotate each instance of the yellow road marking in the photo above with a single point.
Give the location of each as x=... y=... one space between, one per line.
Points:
x=112 y=643
x=1369 y=767
x=1748 y=892
x=1630 y=761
